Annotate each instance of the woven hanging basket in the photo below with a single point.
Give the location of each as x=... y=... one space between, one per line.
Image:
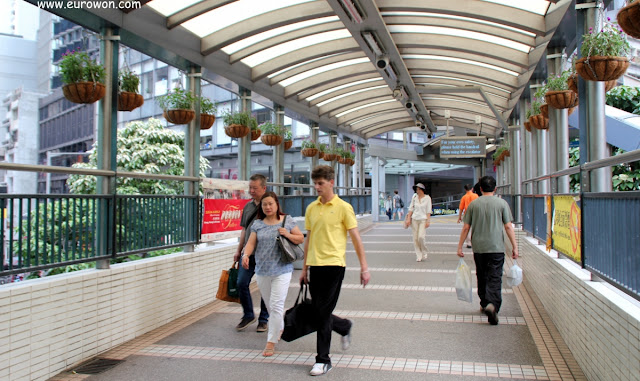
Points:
x=255 y=134
x=349 y=161
x=629 y=19
x=320 y=154
x=572 y=82
x=544 y=110
x=206 y=121
x=179 y=116
x=539 y=122
x=288 y=144
x=128 y=101
x=309 y=152
x=560 y=99
x=527 y=126
x=602 y=68
x=84 y=92
x=271 y=140
x=330 y=157
x=236 y=131
x=341 y=159
x=507 y=153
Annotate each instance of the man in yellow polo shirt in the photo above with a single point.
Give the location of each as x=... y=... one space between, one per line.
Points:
x=327 y=221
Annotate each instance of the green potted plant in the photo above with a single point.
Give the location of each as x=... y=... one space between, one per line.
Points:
x=272 y=134
x=207 y=113
x=322 y=148
x=177 y=106
x=629 y=18
x=604 y=54
x=348 y=158
x=255 y=131
x=83 y=78
x=539 y=95
x=128 y=97
x=527 y=124
x=558 y=94
x=330 y=154
x=238 y=124
x=309 y=148
x=288 y=139
x=538 y=120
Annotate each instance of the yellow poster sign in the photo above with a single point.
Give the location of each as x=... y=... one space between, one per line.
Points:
x=566 y=226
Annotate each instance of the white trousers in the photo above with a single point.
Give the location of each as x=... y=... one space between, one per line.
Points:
x=418 y=227
x=274 y=292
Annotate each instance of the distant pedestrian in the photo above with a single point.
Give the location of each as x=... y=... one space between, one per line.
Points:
x=398 y=206
x=257 y=189
x=328 y=220
x=419 y=218
x=489 y=216
x=388 y=205
x=273 y=275
x=464 y=203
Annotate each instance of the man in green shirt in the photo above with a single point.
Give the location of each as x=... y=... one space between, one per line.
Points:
x=487 y=217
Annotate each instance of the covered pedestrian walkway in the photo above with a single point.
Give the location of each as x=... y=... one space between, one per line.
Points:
x=408 y=325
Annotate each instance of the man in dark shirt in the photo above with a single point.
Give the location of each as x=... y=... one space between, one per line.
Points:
x=257 y=188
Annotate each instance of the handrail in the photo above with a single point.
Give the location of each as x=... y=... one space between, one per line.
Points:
x=601 y=163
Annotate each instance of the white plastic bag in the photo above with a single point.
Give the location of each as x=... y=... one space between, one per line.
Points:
x=514 y=276
x=463 y=282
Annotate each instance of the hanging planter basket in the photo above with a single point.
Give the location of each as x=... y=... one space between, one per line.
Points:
x=341 y=159
x=544 y=110
x=288 y=144
x=206 y=121
x=539 y=122
x=309 y=152
x=350 y=162
x=255 y=134
x=330 y=157
x=507 y=153
x=128 y=101
x=236 y=131
x=600 y=68
x=179 y=116
x=271 y=140
x=560 y=99
x=629 y=19
x=84 y=92
x=527 y=126
x=572 y=82
x=320 y=154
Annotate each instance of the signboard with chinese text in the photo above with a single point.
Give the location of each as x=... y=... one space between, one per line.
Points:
x=223 y=204
x=566 y=226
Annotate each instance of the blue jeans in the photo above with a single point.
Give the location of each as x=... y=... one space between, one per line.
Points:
x=244 y=278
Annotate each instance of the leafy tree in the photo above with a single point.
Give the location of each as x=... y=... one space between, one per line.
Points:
x=626 y=177
x=625 y=98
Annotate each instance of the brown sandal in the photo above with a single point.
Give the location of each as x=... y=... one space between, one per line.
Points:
x=269 y=349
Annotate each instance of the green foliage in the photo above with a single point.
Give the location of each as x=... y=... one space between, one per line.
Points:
x=144 y=147
x=558 y=82
x=535 y=107
x=206 y=106
x=308 y=144
x=529 y=113
x=288 y=136
x=625 y=98
x=346 y=153
x=609 y=41
x=78 y=67
x=625 y=177
x=128 y=81
x=499 y=150
x=540 y=92
x=322 y=147
x=176 y=99
x=270 y=128
x=242 y=118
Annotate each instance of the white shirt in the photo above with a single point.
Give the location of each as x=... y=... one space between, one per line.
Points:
x=421 y=208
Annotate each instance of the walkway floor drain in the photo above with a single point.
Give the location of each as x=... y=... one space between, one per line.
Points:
x=96 y=366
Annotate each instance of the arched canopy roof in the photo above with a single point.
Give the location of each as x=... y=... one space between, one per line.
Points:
x=319 y=58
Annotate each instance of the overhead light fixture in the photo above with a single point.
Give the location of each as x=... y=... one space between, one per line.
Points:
x=399 y=93
x=352 y=10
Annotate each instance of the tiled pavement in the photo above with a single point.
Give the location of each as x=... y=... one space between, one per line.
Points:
x=408 y=325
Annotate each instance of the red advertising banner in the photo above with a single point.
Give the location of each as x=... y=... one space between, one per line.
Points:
x=222 y=215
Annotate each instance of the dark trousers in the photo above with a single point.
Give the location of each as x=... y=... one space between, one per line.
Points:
x=244 y=279
x=324 y=284
x=489 y=274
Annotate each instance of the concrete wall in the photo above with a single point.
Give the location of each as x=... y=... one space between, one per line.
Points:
x=600 y=324
x=51 y=324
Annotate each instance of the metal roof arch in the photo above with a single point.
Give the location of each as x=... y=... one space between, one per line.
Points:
x=300 y=68
x=346 y=90
x=337 y=84
x=329 y=77
x=371 y=95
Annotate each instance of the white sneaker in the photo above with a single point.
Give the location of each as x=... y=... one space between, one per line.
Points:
x=346 y=339
x=319 y=369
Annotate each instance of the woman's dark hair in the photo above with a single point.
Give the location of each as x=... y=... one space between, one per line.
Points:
x=261 y=214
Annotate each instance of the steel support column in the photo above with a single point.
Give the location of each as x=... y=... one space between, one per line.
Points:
x=278 y=154
x=346 y=167
x=244 y=144
x=516 y=159
x=192 y=156
x=333 y=144
x=375 y=188
x=107 y=145
x=360 y=163
x=562 y=149
x=315 y=137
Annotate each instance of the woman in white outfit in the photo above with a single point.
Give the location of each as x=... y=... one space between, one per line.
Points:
x=273 y=275
x=419 y=217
